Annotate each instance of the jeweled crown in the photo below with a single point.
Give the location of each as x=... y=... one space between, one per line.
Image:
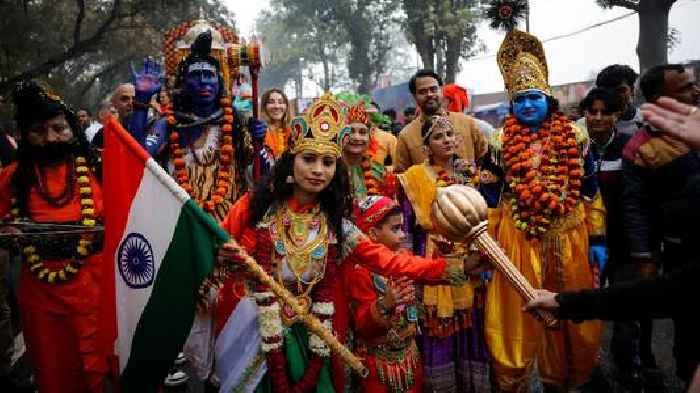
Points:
x=523 y=63
x=319 y=128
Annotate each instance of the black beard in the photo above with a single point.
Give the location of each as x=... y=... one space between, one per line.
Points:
x=52 y=153
x=431 y=107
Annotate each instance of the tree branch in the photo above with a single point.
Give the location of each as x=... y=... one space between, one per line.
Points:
x=78 y=21
x=629 y=4
x=109 y=68
x=76 y=50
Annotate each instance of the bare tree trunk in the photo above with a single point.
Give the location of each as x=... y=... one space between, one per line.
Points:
x=78 y=47
x=326 y=75
x=652 y=47
x=427 y=56
x=440 y=57
x=452 y=54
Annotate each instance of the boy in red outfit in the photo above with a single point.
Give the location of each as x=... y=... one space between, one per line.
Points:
x=384 y=315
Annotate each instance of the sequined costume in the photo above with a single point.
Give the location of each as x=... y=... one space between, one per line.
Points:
x=387 y=341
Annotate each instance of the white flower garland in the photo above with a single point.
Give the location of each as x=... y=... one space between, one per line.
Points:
x=326 y=309
x=270 y=323
x=319 y=346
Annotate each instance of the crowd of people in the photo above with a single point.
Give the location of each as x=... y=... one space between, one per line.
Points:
x=597 y=214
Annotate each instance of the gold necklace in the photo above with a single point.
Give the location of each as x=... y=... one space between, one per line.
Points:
x=290 y=234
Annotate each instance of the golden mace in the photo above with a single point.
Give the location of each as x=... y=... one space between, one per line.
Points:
x=461 y=214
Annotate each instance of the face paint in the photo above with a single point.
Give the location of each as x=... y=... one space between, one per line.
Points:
x=530 y=107
x=202 y=85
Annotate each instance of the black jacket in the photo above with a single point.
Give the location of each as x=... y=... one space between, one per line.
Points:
x=665 y=297
x=656 y=169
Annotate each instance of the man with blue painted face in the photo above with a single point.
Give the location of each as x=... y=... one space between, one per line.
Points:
x=194 y=140
x=546 y=213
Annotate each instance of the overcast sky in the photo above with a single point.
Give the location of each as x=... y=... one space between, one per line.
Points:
x=570 y=59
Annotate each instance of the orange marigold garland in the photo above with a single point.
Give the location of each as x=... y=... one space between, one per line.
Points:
x=371 y=182
x=546 y=183
x=465 y=174
x=224 y=174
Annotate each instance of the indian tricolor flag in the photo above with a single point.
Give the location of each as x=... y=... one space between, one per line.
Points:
x=161 y=246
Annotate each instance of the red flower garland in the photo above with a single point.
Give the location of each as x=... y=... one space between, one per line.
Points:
x=550 y=188
x=224 y=175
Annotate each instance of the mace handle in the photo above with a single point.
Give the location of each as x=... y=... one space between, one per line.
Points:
x=485 y=243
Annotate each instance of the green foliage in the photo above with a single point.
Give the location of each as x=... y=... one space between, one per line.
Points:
x=84 y=54
x=322 y=31
x=296 y=29
x=443 y=31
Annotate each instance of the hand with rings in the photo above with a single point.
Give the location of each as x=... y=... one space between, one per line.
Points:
x=675 y=118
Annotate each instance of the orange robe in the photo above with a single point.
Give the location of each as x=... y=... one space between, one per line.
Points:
x=60 y=321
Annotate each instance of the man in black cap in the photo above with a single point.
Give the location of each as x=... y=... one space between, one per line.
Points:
x=59 y=298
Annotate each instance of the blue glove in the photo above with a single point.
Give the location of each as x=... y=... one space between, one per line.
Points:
x=598 y=253
x=258 y=128
x=148 y=82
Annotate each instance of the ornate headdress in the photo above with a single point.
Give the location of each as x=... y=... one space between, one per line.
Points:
x=372 y=210
x=523 y=63
x=178 y=45
x=357 y=114
x=319 y=130
x=438 y=122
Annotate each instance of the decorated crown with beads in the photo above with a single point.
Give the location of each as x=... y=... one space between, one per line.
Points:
x=226 y=47
x=523 y=63
x=320 y=128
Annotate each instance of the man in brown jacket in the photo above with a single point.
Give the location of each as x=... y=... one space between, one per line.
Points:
x=426 y=87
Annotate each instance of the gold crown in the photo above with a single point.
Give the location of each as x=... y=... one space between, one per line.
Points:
x=523 y=63
x=320 y=128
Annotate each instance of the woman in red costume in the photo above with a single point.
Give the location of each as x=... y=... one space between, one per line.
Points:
x=294 y=226
x=59 y=294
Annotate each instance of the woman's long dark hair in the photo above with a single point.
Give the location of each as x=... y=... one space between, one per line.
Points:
x=336 y=200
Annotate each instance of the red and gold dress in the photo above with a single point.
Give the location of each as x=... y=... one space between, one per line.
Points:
x=318 y=283
x=60 y=319
x=386 y=342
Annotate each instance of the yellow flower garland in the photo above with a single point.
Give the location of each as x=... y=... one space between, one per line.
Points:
x=87 y=212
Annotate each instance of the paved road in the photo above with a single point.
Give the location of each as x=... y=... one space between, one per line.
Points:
x=662 y=344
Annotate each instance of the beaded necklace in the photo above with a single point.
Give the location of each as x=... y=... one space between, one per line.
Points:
x=224 y=175
x=83 y=249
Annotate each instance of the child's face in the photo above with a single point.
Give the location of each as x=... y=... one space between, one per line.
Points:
x=390 y=233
